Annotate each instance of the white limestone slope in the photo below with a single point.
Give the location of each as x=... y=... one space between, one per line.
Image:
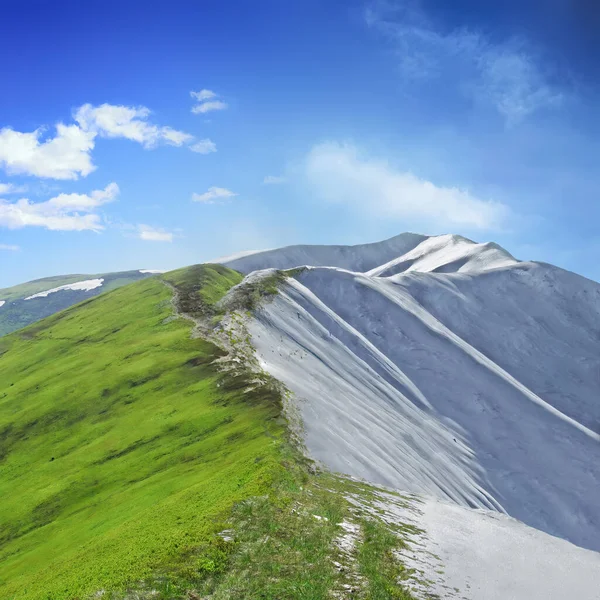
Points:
x=482 y=387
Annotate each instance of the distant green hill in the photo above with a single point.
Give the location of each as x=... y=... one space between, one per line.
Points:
x=18 y=310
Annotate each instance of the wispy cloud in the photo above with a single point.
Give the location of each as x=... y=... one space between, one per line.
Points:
x=274 y=179
x=113 y=121
x=213 y=195
x=203 y=95
x=65 y=212
x=68 y=154
x=340 y=174
x=9 y=247
x=152 y=234
x=509 y=75
x=10 y=188
x=207 y=102
x=205 y=146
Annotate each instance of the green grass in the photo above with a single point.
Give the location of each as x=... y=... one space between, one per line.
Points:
x=18 y=313
x=122 y=448
x=283 y=545
x=202 y=286
x=380 y=568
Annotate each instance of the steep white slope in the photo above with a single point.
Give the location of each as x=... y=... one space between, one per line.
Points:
x=447 y=254
x=359 y=258
x=482 y=555
x=481 y=388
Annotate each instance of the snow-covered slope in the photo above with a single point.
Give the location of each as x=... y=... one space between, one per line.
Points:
x=356 y=258
x=465 y=554
x=447 y=254
x=404 y=252
x=482 y=387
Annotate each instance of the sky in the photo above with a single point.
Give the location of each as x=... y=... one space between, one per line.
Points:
x=157 y=135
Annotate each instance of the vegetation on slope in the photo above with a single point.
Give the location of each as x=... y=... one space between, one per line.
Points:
x=119 y=448
x=125 y=451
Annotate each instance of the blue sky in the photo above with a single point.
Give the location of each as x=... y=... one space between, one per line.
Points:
x=137 y=135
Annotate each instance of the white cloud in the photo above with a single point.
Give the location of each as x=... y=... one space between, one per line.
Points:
x=505 y=74
x=68 y=155
x=65 y=212
x=9 y=247
x=339 y=174
x=9 y=188
x=112 y=121
x=213 y=195
x=208 y=107
x=151 y=234
x=274 y=179
x=65 y=156
x=206 y=102
x=204 y=146
x=512 y=82
x=203 y=95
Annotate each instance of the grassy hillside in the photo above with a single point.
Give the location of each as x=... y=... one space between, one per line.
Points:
x=125 y=454
x=119 y=448
x=16 y=312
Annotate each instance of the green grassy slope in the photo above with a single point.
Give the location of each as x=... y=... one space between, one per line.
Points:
x=121 y=447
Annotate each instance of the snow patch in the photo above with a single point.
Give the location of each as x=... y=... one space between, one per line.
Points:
x=475 y=554
x=84 y=286
x=2 y=302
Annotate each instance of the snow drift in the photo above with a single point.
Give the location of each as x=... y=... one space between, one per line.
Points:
x=466 y=554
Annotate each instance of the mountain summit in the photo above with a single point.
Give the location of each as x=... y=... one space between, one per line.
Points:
x=401 y=253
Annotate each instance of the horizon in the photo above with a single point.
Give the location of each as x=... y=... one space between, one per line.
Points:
x=204 y=132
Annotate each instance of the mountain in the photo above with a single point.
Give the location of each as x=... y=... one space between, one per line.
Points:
x=476 y=381
x=404 y=252
x=453 y=370
x=409 y=419
x=29 y=302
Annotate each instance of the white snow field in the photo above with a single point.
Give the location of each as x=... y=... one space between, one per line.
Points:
x=2 y=303
x=471 y=554
x=480 y=386
x=86 y=286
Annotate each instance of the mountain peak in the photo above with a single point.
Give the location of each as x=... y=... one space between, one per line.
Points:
x=404 y=252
